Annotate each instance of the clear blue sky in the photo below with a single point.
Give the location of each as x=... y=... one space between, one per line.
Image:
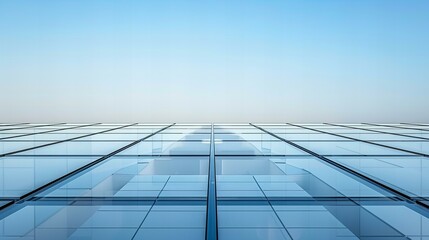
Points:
x=224 y=61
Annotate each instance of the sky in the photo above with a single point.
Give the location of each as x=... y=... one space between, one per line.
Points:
x=214 y=61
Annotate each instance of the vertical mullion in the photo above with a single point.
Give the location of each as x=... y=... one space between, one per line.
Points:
x=211 y=214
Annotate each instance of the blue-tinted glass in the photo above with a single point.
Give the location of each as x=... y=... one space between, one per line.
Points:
x=263 y=181
x=410 y=174
x=20 y=175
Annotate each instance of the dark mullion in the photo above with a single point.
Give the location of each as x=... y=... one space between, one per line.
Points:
x=201 y=141
x=150 y=209
x=272 y=208
x=364 y=177
x=65 y=140
x=408 y=128
x=10 y=125
x=211 y=212
x=376 y=131
x=69 y=175
x=360 y=140
x=218 y=155
x=55 y=130
x=416 y=124
x=47 y=125
x=221 y=199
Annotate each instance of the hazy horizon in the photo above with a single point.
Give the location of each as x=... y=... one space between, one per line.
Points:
x=214 y=61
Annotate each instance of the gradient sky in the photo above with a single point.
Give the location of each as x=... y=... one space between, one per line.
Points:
x=214 y=61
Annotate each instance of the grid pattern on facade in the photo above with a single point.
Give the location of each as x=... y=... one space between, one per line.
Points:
x=214 y=181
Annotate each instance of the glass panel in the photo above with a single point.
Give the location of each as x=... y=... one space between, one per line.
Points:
x=265 y=187
x=20 y=175
x=106 y=220
x=256 y=148
x=416 y=146
x=169 y=148
x=349 y=148
x=287 y=177
x=409 y=174
x=142 y=177
x=77 y=148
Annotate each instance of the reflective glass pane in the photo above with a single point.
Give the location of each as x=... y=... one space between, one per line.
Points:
x=269 y=181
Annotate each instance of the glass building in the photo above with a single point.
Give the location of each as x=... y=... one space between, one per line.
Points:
x=214 y=181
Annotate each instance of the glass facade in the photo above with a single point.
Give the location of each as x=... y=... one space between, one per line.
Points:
x=214 y=181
